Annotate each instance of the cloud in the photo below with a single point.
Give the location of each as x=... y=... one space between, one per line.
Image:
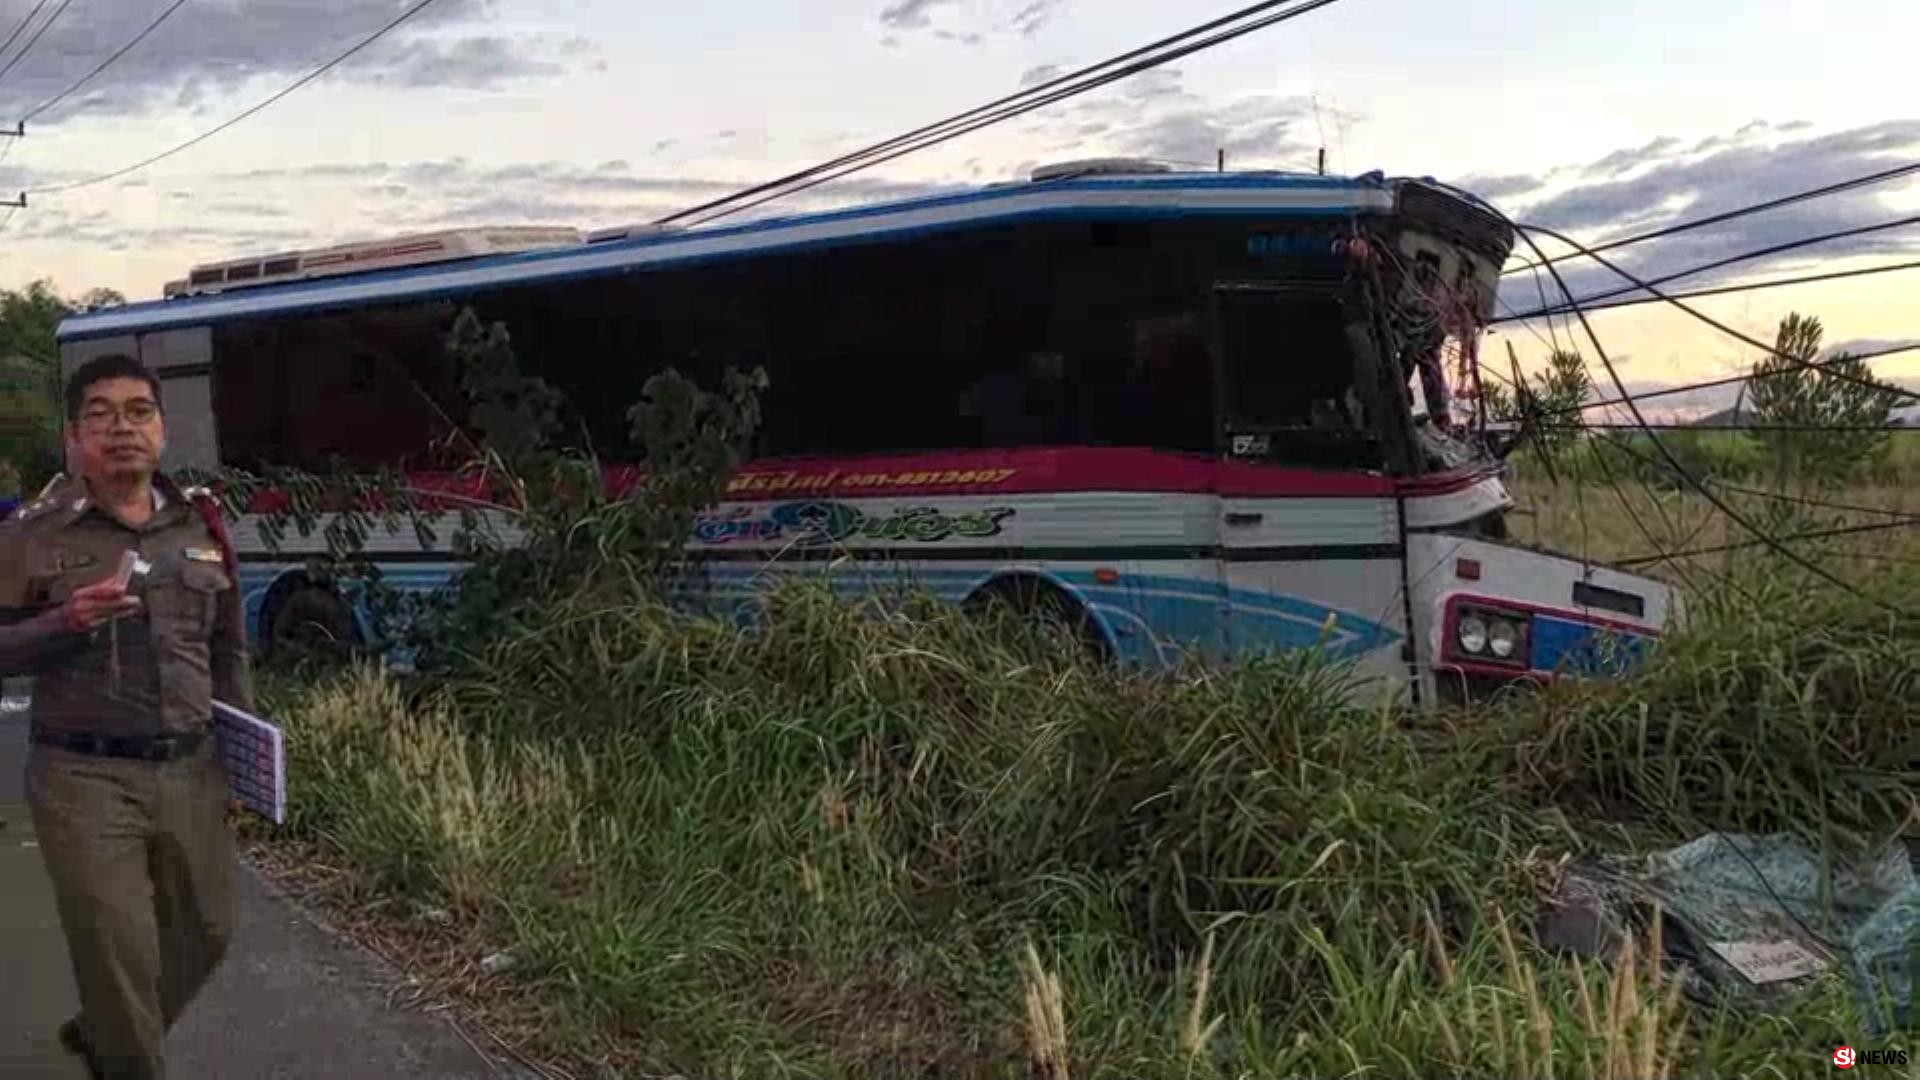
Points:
x=912 y=14
x=1029 y=20
x=970 y=23
x=224 y=214
x=1857 y=346
x=1665 y=182
x=1034 y=76
x=208 y=53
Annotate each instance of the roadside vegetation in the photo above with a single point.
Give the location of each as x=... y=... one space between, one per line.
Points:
x=917 y=845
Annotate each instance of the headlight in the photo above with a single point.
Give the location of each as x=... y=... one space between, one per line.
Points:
x=1472 y=633
x=1486 y=633
x=1502 y=638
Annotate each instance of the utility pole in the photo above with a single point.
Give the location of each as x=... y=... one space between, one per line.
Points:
x=1323 y=161
x=1222 y=164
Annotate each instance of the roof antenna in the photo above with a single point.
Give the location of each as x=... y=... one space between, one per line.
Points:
x=1321 y=126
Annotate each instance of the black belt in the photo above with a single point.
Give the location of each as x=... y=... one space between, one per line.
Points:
x=139 y=747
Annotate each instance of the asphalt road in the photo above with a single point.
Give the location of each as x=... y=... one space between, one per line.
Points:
x=292 y=1001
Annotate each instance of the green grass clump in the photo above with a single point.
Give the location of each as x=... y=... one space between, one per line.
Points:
x=904 y=842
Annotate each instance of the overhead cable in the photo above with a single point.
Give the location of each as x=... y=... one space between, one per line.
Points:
x=1735 y=380
x=104 y=64
x=417 y=8
x=37 y=35
x=1880 y=177
x=1724 y=290
x=1047 y=93
x=1745 y=256
x=1706 y=491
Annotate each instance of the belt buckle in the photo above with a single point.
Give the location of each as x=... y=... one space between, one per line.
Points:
x=161 y=747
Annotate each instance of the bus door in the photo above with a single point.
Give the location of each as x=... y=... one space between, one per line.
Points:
x=1310 y=549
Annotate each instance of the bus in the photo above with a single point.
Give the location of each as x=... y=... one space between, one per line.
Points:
x=1205 y=414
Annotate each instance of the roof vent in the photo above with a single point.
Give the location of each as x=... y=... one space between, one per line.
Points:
x=358 y=258
x=1098 y=167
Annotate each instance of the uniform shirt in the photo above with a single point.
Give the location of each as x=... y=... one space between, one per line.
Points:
x=152 y=672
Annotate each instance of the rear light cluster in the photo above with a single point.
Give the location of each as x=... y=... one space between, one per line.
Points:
x=1492 y=635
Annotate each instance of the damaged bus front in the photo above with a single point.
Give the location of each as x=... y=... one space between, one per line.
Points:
x=1484 y=610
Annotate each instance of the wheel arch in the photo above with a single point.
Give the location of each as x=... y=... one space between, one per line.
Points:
x=285 y=585
x=1010 y=582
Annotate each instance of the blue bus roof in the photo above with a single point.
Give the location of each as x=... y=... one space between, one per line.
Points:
x=1149 y=195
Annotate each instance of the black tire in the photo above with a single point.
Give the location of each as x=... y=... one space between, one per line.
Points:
x=310 y=620
x=1041 y=602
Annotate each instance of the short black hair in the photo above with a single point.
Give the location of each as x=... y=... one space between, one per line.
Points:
x=100 y=369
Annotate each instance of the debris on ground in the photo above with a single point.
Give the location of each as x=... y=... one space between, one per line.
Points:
x=1755 y=918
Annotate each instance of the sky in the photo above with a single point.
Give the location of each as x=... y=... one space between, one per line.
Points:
x=1597 y=120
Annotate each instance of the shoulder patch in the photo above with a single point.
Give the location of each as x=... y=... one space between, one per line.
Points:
x=38 y=508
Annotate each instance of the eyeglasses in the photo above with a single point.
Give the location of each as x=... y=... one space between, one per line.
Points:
x=137 y=413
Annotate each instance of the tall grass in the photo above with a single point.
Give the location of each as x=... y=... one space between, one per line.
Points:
x=907 y=843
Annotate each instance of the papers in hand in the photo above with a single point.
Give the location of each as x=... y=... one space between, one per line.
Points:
x=255 y=755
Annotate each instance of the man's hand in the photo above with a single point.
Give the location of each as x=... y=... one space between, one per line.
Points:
x=92 y=606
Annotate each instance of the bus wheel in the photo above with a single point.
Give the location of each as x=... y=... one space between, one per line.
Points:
x=310 y=621
x=1042 y=603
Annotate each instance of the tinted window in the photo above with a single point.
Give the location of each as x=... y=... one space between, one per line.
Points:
x=371 y=387
x=1038 y=334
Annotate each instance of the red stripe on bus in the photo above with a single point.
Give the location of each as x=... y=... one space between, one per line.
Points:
x=1010 y=472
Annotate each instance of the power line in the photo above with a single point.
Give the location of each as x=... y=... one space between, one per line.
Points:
x=1772 y=543
x=24 y=23
x=1756 y=286
x=1025 y=92
x=37 y=35
x=1020 y=110
x=104 y=64
x=1745 y=256
x=1734 y=380
x=1745 y=211
x=1814 y=534
x=416 y=9
x=999 y=111
x=1778 y=496
x=1794 y=363
x=1891 y=429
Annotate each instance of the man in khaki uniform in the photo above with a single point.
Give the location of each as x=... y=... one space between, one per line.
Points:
x=127 y=792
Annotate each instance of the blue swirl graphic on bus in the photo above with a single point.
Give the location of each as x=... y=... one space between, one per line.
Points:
x=818 y=523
